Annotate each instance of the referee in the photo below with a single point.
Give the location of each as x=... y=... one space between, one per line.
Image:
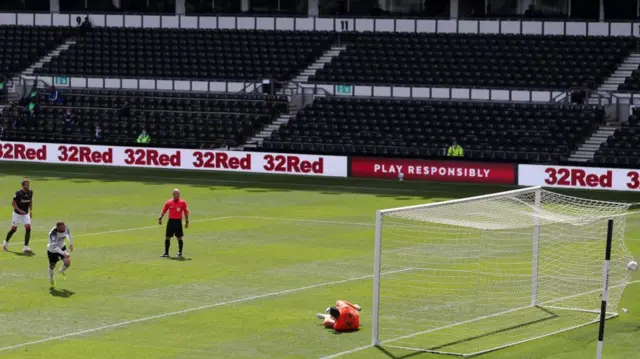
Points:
x=176 y=207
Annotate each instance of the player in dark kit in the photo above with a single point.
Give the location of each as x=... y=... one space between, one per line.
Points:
x=176 y=207
x=22 y=212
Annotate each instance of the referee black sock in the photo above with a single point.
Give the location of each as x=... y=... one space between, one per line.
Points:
x=180 y=244
x=167 y=243
x=27 y=237
x=10 y=234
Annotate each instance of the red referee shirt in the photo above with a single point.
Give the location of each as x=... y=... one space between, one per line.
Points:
x=175 y=208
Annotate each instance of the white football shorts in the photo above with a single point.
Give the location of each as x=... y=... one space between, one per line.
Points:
x=19 y=219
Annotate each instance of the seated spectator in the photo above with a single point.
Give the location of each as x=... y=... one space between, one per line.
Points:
x=144 y=138
x=68 y=121
x=99 y=135
x=125 y=111
x=455 y=150
x=54 y=95
x=2 y=129
x=15 y=120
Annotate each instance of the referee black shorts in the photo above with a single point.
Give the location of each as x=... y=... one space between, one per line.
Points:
x=174 y=228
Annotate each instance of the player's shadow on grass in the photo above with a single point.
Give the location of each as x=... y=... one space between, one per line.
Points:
x=183 y=259
x=61 y=293
x=23 y=254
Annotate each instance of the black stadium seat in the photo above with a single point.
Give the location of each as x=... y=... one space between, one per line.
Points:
x=173 y=119
x=423 y=129
x=191 y=54
x=22 y=46
x=464 y=60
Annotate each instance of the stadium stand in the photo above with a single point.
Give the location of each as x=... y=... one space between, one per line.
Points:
x=190 y=54
x=461 y=60
x=622 y=149
x=24 y=45
x=423 y=129
x=173 y=119
x=631 y=83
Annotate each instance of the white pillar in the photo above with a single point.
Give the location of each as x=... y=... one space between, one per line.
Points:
x=453 y=9
x=601 y=10
x=117 y=4
x=244 y=5
x=313 y=8
x=54 y=5
x=181 y=7
x=382 y=4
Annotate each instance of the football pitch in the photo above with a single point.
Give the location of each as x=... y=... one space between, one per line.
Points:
x=263 y=254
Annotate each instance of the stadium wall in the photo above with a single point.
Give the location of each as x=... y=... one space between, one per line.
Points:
x=508 y=27
x=593 y=178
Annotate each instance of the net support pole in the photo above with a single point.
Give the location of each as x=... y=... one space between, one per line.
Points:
x=605 y=289
x=536 y=248
x=375 y=324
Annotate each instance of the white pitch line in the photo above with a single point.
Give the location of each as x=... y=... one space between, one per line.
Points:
x=354 y=350
x=223 y=218
x=208 y=306
x=140 y=228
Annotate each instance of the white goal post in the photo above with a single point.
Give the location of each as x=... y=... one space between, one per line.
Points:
x=483 y=273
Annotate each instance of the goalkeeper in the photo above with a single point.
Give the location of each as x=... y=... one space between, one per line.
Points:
x=344 y=317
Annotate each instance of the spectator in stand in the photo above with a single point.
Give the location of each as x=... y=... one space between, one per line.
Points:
x=32 y=96
x=86 y=25
x=99 y=135
x=54 y=95
x=144 y=138
x=125 y=111
x=2 y=129
x=68 y=121
x=455 y=150
x=16 y=120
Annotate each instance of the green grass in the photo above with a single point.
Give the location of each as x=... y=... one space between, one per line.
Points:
x=265 y=253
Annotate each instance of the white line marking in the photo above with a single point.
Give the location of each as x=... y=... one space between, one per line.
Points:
x=348 y=352
x=219 y=304
x=395 y=339
x=139 y=228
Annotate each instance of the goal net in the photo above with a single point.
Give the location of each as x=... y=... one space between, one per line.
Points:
x=469 y=276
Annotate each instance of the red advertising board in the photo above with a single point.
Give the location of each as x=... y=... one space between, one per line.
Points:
x=433 y=170
x=205 y=160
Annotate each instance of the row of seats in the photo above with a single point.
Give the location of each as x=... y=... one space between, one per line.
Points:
x=509 y=61
x=623 y=147
x=209 y=120
x=191 y=54
x=22 y=46
x=531 y=132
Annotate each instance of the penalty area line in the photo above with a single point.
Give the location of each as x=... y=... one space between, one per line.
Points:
x=208 y=306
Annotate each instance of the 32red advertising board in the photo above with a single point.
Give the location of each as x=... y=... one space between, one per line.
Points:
x=433 y=170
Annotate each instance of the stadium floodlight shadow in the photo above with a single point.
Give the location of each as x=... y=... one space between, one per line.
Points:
x=61 y=293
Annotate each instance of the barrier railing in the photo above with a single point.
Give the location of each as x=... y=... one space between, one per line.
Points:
x=143 y=84
x=337 y=24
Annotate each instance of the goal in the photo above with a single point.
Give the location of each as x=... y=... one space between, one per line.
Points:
x=474 y=275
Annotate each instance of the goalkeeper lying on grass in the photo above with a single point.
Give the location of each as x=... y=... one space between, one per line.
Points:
x=343 y=317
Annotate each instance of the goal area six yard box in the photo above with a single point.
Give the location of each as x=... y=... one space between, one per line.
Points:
x=478 y=274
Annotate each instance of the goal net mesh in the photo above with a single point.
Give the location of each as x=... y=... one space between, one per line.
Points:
x=476 y=275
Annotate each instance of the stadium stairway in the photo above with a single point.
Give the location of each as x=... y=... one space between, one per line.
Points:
x=256 y=141
x=617 y=78
x=326 y=58
x=587 y=150
x=48 y=57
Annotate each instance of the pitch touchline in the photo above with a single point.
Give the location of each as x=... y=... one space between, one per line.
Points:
x=354 y=350
x=219 y=304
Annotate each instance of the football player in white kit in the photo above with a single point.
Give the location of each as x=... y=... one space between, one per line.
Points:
x=22 y=211
x=57 y=250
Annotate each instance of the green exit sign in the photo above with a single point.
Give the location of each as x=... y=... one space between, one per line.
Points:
x=344 y=89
